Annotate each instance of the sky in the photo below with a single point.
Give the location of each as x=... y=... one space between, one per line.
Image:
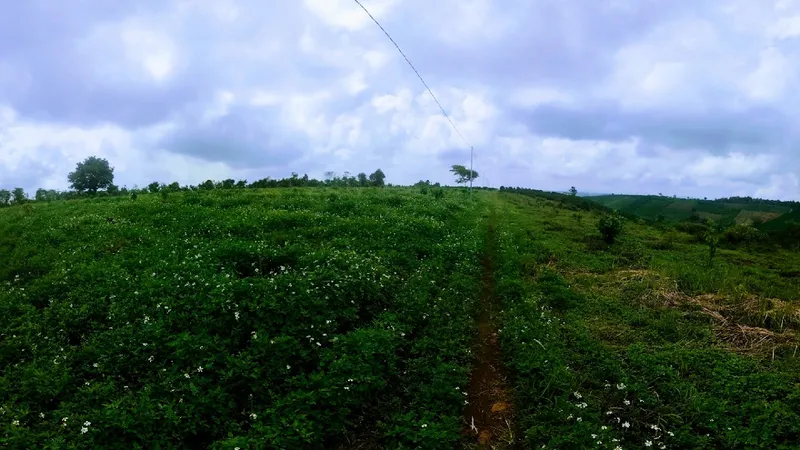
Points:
x=689 y=98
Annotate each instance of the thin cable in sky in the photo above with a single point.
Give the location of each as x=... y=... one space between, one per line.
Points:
x=415 y=71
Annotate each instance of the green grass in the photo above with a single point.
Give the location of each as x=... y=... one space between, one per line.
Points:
x=612 y=345
x=344 y=318
x=284 y=318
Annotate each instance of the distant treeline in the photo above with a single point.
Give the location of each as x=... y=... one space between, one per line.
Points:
x=572 y=202
x=375 y=179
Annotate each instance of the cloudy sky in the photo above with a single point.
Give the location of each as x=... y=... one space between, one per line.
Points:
x=693 y=98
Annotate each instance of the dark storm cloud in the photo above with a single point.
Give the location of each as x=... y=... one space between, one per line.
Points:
x=718 y=131
x=240 y=138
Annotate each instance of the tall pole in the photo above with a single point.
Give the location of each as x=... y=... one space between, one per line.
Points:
x=471 y=151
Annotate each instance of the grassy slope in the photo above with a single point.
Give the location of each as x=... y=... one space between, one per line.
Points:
x=283 y=318
x=676 y=209
x=618 y=346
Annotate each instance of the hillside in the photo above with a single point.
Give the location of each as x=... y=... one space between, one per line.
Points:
x=725 y=211
x=386 y=318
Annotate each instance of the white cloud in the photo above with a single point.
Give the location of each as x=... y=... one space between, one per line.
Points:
x=693 y=99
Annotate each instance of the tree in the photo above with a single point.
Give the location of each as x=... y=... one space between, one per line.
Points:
x=463 y=175
x=154 y=187
x=92 y=174
x=573 y=192
x=610 y=227
x=18 y=196
x=377 y=177
x=5 y=197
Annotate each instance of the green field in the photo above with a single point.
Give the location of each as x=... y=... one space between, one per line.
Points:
x=376 y=317
x=676 y=209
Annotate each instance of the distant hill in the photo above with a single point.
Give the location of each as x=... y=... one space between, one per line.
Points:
x=727 y=211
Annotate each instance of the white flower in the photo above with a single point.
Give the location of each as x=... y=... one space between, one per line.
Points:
x=569 y=417
x=236 y=315
x=64 y=419
x=347 y=388
x=186 y=375
x=604 y=428
x=94 y=365
x=424 y=425
x=15 y=422
x=594 y=436
x=648 y=443
x=288 y=367
x=577 y=395
x=618 y=448
x=621 y=386
x=670 y=433
x=662 y=446
x=627 y=402
x=200 y=369
x=151 y=358
x=87 y=423
x=253 y=416
x=654 y=427
x=41 y=414
x=626 y=425
x=84 y=430
x=579 y=419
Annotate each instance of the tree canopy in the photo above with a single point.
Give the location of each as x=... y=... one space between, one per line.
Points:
x=92 y=174
x=463 y=174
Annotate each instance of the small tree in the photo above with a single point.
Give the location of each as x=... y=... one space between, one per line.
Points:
x=573 y=192
x=18 y=196
x=154 y=187
x=362 y=179
x=5 y=197
x=610 y=227
x=206 y=185
x=113 y=189
x=463 y=175
x=377 y=178
x=92 y=174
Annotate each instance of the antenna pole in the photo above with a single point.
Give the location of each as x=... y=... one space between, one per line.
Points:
x=471 y=151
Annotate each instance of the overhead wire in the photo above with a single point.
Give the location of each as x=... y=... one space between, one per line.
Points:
x=415 y=71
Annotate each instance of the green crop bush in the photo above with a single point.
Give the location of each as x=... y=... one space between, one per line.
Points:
x=238 y=318
x=610 y=227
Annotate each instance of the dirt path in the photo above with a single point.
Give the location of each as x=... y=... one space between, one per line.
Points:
x=488 y=417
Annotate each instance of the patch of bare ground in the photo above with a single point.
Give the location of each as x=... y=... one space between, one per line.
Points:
x=488 y=417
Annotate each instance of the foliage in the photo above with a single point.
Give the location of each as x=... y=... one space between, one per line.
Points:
x=463 y=174
x=573 y=192
x=18 y=196
x=250 y=319
x=91 y=175
x=603 y=353
x=610 y=226
x=5 y=197
x=377 y=178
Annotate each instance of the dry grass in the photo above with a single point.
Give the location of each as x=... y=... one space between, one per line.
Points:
x=745 y=324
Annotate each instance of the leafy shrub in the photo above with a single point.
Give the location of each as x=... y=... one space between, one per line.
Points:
x=741 y=233
x=438 y=193
x=610 y=226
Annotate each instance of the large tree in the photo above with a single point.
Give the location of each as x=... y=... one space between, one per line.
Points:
x=463 y=174
x=377 y=178
x=92 y=174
